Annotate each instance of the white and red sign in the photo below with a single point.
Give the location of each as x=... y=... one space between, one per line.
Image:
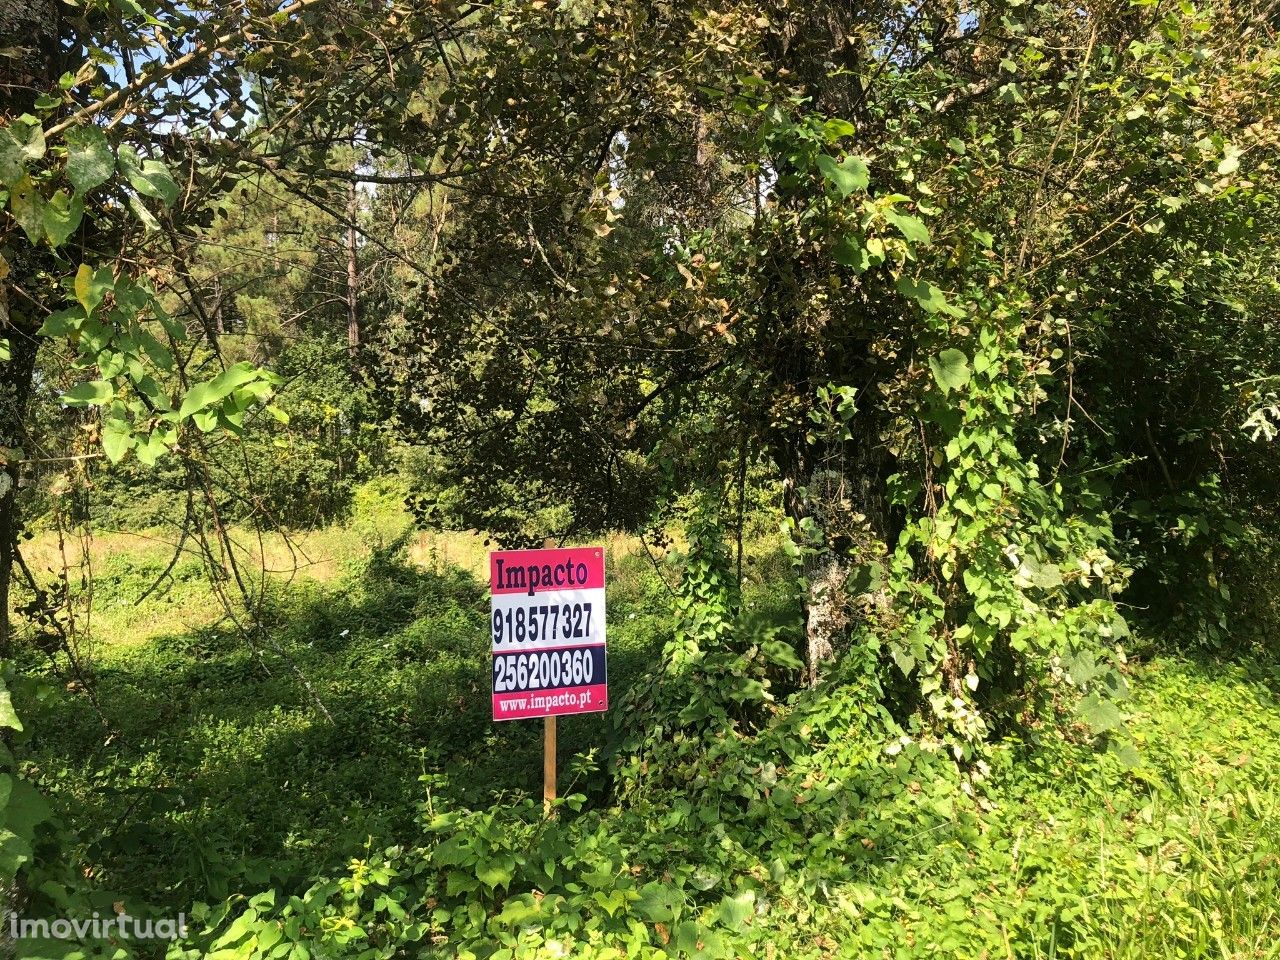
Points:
x=547 y=627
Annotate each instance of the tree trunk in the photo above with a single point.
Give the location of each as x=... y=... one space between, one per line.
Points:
x=26 y=70
x=18 y=377
x=845 y=499
x=353 y=278
x=30 y=29
x=826 y=612
x=219 y=328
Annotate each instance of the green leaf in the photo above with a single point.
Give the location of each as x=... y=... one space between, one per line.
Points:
x=734 y=910
x=910 y=227
x=781 y=653
x=8 y=718
x=205 y=420
x=1101 y=715
x=28 y=209
x=657 y=902
x=143 y=215
x=117 y=439
x=151 y=451
x=148 y=387
x=928 y=296
x=14 y=852
x=5 y=352
x=61 y=216
x=950 y=369
x=495 y=873
x=686 y=937
x=151 y=178
x=1082 y=668
x=1128 y=755
x=704 y=878
x=205 y=395
x=21 y=143
x=90 y=393
x=850 y=253
x=95 y=336
x=157 y=351
x=27 y=807
x=62 y=323
x=90 y=162
x=91 y=287
x=197 y=398
x=242 y=926
x=33 y=146
x=1048 y=577
x=835 y=128
x=516 y=911
x=11 y=166
x=255 y=391
x=848 y=175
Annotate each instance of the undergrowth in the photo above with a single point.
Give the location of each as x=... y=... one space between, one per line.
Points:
x=750 y=820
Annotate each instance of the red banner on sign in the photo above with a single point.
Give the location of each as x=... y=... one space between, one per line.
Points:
x=541 y=571
x=523 y=706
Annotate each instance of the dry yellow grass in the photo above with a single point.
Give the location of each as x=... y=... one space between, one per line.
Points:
x=318 y=555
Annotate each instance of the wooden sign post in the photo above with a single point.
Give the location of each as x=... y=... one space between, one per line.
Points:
x=548 y=764
x=548 y=615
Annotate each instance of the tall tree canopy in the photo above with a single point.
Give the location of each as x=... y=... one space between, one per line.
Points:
x=888 y=255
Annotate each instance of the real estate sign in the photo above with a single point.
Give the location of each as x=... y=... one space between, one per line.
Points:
x=548 y=632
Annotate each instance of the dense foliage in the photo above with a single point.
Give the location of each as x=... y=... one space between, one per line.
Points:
x=393 y=834
x=976 y=302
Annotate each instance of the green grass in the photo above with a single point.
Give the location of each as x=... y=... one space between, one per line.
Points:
x=222 y=772
x=217 y=774
x=1069 y=854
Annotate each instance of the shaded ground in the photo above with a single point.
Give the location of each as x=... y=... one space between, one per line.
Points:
x=220 y=773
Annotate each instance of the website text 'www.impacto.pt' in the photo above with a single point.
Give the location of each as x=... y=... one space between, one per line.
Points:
x=545 y=701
